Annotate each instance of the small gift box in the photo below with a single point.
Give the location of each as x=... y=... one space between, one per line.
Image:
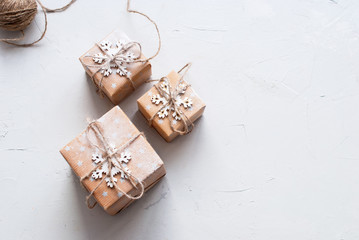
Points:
x=171 y=106
x=116 y=65
x=114 y=161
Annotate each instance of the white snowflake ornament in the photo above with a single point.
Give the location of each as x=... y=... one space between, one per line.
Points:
x=106 y=71
x=125 y=157
x=118 y=166
x=182 y=88
x=130 y=56
x=116 y=57
x=163 y=112
x=122 y=71
x=164 y=86
x=156 y=99
x=166 y=95
x=175 y=115
x=98 y=58
x=106 y=45
x=121 y=43
x=187 y=102
x=96 y=174
x=97 y=158
x=178 y=101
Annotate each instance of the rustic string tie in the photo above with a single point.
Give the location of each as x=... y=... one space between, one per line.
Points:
x=118 y=60
x=114 y=58
x=170 y=95
x=110 y=155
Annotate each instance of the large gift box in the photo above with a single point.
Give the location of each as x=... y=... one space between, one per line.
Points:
x=114 y=161
x=171 y=106
x=116 y=65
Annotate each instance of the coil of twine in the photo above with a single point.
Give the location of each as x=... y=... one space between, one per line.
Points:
x=16 y=15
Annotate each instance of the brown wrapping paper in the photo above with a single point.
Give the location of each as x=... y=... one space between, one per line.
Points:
x=148 y=109
x=117 y=87
x=145 y=164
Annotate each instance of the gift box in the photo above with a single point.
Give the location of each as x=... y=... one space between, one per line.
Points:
x=170 y=120
x=116 y=65
x=113 y=161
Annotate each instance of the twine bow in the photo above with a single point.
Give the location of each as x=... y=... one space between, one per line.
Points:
x=170 y=95
x=112 y=159
x=114 y=61
x=116 y=57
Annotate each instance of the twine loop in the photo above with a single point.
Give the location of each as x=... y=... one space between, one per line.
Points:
x=111 y=157
x=154 y=24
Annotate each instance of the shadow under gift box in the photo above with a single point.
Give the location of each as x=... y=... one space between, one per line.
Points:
x=145 y=164
x=116 y=87
x=162 y=125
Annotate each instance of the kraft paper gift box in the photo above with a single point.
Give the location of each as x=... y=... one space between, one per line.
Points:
x=162 y=124
x=144 y=163
x=121 y=77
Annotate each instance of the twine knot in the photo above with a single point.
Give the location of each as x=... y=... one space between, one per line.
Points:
x=171 y=101
x=112 y=160
x=115 y=56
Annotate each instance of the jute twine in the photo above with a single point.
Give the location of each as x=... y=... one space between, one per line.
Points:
x=170 y=97
x=113 y=59
x=157 y=30
x=110 y=60
x=16 y=15
x=111 y=157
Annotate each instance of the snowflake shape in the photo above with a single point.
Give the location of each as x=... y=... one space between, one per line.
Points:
x=158 y=99
x=165 y=87
x=106 y=71
x=175 y=115
x=163 y=112
x=99 y=57
x=178 y=101
x=106 y=45
x=187 y=102
x=97 y=158
x=115 y=57
x=119 y=166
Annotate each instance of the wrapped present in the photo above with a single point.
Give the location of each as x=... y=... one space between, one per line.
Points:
x=171 y=105
x=114 y=161
x=116 y=65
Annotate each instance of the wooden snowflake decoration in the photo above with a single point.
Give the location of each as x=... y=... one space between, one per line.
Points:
x=115 y=57
x=158 y=99
x=118 y=166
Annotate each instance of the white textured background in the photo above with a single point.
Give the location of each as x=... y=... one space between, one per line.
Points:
x=275 y=155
